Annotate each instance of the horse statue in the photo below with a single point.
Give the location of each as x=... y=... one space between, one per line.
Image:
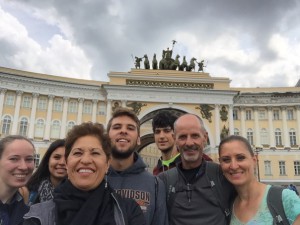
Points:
x=146 y=62
x=183 y=64
x=176 y=63
x=192 y=64
x=154 y=62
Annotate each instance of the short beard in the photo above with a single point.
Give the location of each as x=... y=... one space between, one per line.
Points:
x=122 y=155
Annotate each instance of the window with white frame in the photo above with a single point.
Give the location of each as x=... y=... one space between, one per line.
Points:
x=292 y=135
x=6 y=123
x=278 y=139
x=72 y=107
x=290 y=114
x=264 y=137
x=235 y=114
x=70 y=125
x=55 y=129
x=297 y=168
x=57 y=105
x=10 y=99
x=26 y=103
x=268 y=168
x=87 y=107
x=250 y=136
x=282 y=168
x=248 y=115
x=102 y=108
x=236 y=131
x=39 y=128
x=262 y=114
x=23 y=126
x=276 y=114
x=42 y=103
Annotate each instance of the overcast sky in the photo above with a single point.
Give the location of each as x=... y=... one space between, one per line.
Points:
x=256 y=43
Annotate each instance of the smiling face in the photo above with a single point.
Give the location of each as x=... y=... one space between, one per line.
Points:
x=237 y=164
x=87 y=163
x=164 y=139
x=57 y=164
x=16 y=164
x=190 y=139
x=124 y=137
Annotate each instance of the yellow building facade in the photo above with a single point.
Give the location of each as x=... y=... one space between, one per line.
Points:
x=44 y=107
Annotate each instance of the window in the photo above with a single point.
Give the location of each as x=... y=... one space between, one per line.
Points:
x=72 y=107
x=290 y=114
x=87 y=107
x=262 y=114
x=236 y=131
x=26 y=102
x=57 y=106
x=278 y=140
x=55 y=129
x=292 y=134
x=264 y=139
x=10 y=99
x=39 y=128
x=6 y=125
x=282 y=168
x=23 y=127
x=297 y=167
x=235 y=114
x=248 y=115
x=42 y=103
x=250 y=136
x=102 y=108
x=71 y=124
x=36 y=160
x=268 y=168
x=276 y=114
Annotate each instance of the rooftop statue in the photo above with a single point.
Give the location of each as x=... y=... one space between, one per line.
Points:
x=138 y=62
x=201 y=66
x=146 y=62
x=192 y=64
x=183 y=65
x=154 y=62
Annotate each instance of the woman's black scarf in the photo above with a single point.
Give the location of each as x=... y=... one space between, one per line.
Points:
x=76 y=207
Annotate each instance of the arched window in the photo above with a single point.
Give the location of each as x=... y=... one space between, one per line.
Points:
x=70 y=125
x=39 y=128
x=293 y=139
x=23 y=126
x=250 y=136
x=72 y=107
x=264 y=138
x=236 y=131
x=6 y=124
x=278 y=139
x=55 y=129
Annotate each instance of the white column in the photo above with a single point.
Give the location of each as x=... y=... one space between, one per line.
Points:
x=108 y=111
x=64 y=118
x=256 y=128
x=32 y=115
x=243 y=122
x=298 y=124
x=2 y=94
x=79 y=112
x=17 y=112
x=285 y=131
x=94 y=112
x=217 y=124
x=271 y=129
x=230 y=117
x=48 y=118
x=124 y=103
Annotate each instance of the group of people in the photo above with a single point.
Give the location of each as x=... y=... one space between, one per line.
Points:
x=95 y=176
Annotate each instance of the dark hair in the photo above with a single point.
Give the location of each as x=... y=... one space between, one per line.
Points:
x=124 y=112
x=42 y=171
x=237 y=138
x=9 y=139
x=88 y=129
x=162 y=119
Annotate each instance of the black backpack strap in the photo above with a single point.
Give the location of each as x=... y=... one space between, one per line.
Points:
x=213 y=175
x=274 y=201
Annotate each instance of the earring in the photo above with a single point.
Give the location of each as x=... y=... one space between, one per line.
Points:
x=105 y=186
